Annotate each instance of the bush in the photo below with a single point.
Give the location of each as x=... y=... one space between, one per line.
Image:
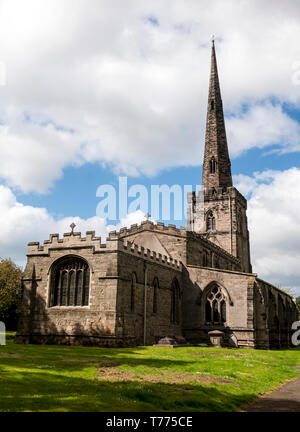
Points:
x=10 y=290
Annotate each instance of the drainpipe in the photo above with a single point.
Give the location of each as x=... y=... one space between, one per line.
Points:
x=145 y=304
x=230 y=225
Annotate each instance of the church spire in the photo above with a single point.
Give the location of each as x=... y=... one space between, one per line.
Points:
x=216 y=166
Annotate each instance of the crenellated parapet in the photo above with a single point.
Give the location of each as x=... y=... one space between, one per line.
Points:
x=113 y=243
x=147 y=254
x=69 y=240
x=214 y=247
x=173 y=230
x=148 y=226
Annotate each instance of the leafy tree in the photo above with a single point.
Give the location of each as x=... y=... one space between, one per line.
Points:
x=289 y=291
x=298 y=306
x=10 y=286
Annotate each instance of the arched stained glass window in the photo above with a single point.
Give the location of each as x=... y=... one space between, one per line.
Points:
x=70 y=282
x=215 y=306
x=207 y=311
x=79 y=288
x=86 y=287
x=64 y=286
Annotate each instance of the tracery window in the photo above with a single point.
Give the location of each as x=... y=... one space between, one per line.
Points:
x=155 y=294
x=211 y=222
x=70 y=282
x=174 y=318
x=215 y=306
x=132 y=291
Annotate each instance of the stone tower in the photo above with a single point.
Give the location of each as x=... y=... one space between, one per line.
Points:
x=219 y=210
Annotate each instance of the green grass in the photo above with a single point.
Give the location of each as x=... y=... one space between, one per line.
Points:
x=64 y=378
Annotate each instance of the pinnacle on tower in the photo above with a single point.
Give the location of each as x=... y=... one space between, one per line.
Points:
x=216 y=165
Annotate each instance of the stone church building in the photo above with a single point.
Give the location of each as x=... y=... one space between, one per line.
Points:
x=151 y=281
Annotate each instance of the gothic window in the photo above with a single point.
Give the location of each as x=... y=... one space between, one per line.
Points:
x=215 y=306
x=155 y=294
x=175 y=302
x=212 y=105
x=70 y=282
x=211 y=222
x=205 y=259
x=132 y=291
x=212 y=165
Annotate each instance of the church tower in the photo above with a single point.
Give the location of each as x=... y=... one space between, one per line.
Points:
x=219 y=210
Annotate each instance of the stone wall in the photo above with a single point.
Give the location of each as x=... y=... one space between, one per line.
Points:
x=229 y=208
x=236 y=287
x=158 y=323
x=185 y=246
x=105 y=321
x=275 y=312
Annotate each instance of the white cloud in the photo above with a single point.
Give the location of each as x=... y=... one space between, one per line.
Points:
x=132 y=92
x=273 y=216
x=263 y=125
x=21 y=224
x=274 y=224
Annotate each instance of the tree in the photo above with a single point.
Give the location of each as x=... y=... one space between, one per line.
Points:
x=289 y=291
x=298 y=306
x=10 y=288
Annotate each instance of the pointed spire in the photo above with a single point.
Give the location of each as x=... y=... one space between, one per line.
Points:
x=216 y=166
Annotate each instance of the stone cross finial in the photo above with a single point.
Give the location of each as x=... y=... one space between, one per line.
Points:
x=73 y=225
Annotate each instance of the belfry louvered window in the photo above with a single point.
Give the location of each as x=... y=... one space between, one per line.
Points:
x=215 y=306
x=70 y=282
x=210 y=222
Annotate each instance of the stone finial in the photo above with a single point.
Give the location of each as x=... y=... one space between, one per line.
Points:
x=72 y=226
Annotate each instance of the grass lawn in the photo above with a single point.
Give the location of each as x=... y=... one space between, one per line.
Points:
x=64 y=378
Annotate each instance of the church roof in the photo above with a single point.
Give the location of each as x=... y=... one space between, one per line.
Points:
x=149 y=240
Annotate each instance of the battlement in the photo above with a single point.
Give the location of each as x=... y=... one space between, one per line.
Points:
x=72 y=239
x=147 y=226
x=114 y=243
x=141 y=252
x=214 y=247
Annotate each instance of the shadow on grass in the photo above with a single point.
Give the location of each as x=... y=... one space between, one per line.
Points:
x=48 y=391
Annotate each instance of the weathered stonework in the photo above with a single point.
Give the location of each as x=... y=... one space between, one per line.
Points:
x=153 y=282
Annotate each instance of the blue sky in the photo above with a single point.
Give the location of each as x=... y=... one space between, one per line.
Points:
x=91 y=93
x=82 y=183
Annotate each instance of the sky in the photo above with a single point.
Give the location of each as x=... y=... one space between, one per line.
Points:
x=93 y=90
